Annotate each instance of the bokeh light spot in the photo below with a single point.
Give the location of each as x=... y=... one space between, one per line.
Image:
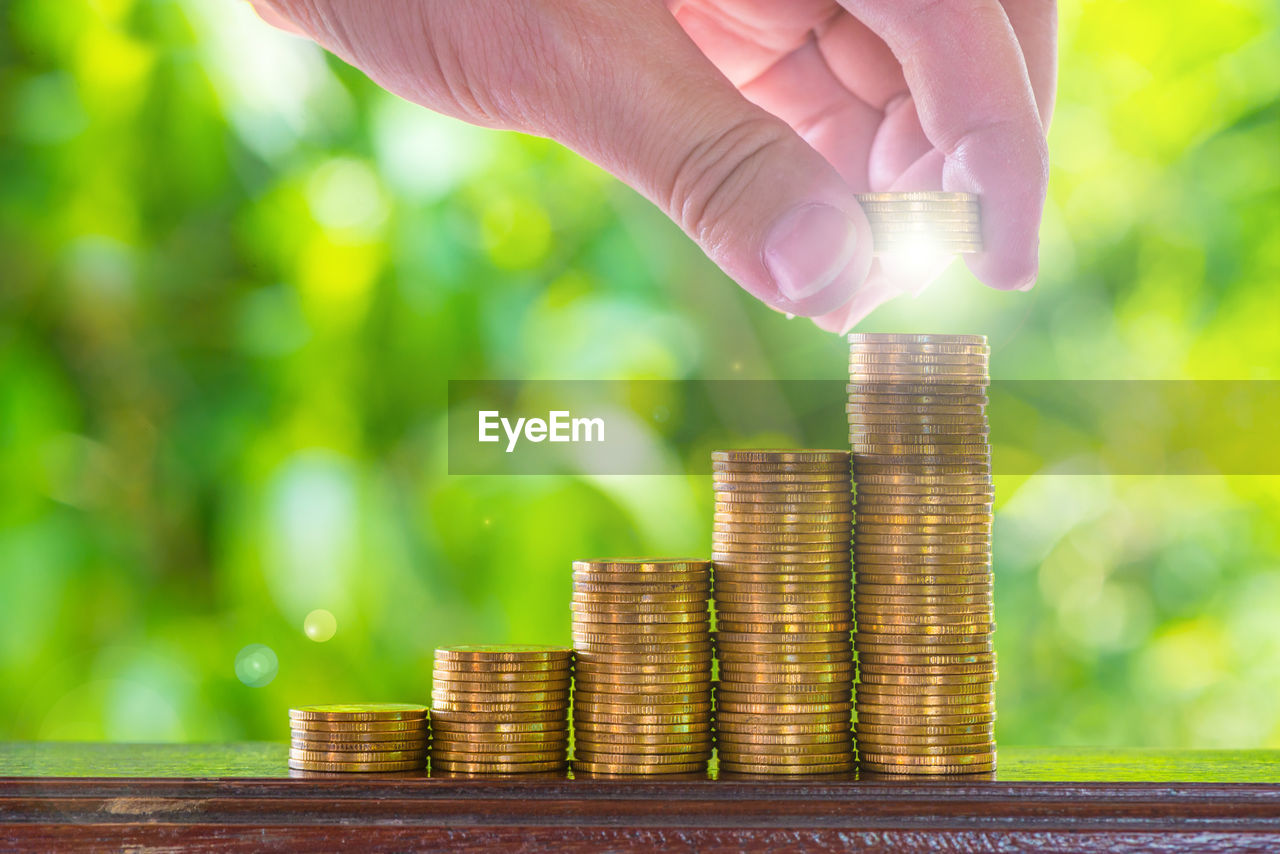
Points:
x=256 y=665
x=320 y=625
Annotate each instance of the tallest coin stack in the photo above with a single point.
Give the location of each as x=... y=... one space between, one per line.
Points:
x=922 y=553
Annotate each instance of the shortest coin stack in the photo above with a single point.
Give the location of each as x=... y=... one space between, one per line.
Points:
x=501 y=709
x=362 y=737
x=928 y=222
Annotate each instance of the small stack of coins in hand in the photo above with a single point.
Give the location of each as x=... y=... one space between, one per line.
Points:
x=783 y=613
x=501 y=709
x=365 y=737
x=922 y=552
x=642 y=684
x=925 y=222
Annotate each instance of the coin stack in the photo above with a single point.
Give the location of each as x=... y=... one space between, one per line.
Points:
x=500 y=709
x=363 y=737
x=642 y=684
x=783 y=613
x=922 y=551
x=936 y=223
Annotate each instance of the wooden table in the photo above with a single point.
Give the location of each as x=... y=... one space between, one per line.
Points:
x=235 y=797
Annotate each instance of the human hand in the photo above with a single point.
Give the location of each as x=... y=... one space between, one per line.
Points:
x=751 y=123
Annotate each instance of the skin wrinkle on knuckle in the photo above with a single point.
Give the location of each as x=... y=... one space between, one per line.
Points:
x=717 y=173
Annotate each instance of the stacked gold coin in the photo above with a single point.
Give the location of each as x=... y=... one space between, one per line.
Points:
x=363 y=737
x=500 y=709
x=922 y=552
x=783 y=614
x=642 y=685
x=938 y=223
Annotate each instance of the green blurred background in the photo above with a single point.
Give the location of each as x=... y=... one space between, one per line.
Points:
x=235 y=278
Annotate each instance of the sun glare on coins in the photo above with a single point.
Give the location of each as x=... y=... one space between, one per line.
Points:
x=320 y=625
x=256 y=665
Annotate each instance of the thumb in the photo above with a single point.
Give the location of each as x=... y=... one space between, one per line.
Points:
x=619 y=82
x=762 y=203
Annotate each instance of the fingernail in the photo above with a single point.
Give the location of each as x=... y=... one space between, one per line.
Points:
x=1028 y=284
x=808 y=248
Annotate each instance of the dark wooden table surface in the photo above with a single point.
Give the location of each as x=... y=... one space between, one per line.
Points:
x=242 y=797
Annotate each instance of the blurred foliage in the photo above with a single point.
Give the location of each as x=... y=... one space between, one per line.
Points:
x=235 y=278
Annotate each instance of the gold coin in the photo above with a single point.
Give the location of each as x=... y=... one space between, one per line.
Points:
x=900 y=719
x=876 y=644
x=884 y=672
x=765 y=736
x=530 y=730
x=600 y=741
x=651 y=582
x=612 y=632
x=824 y=752
x=783 y=603
x=918 y=347
x=971 y=499
x=827 y=542
x=872 y=549
x=795 y=522
x=730 y=469
x=453 y=752
x=756 y=643
x=490 y=752
x=917 y=748
x=926 y=695
x=447 y=704
x=823 y=692
x=797 y=761
x=917 y=620
x=801 y=480
x=883 y=768
x=642 y=662
x=521 y=691
x=763 y=610
x=911 y=197
x=814 y=771
x=741 y=590
x=360 y=712
x=975 y=757
x=809 y=716
x=770 y=529
x=674 y=601
x=767 y=706
x=900 y=461
x=355 y=767
x=671 y=681
x=506 y=692
x=830 y=497
x=641 y=564
x=353 y=729
x=791 y=626
x=789 y=555
x=585 y=767
x=357 y=746
x=476 y=767
x=973 y=375
x=910 y=577
x=863 y=381
x=486 y=676
x=979 y=358
x=780 y=455
x=612 y=615
x=444 y=717
x=643 y=650
x=786 y=663
x=629 y=696
x=900 y=631
x=346 y=756
x=783 y=572
x=675 y=672
x=593 y=708
x=585 y=717
x=627 y=758
x=914 y=592
x=513 y=738
x=859 y=394
x=925 y=712
x=922 y=523
x=358 y=736
x=798 y=673
x=976 y=732
x=502 y=652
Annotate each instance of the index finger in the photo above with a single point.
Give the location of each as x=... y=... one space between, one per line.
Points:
x=963 y=64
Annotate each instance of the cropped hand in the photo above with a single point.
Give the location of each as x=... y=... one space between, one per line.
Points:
x=751 y=123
